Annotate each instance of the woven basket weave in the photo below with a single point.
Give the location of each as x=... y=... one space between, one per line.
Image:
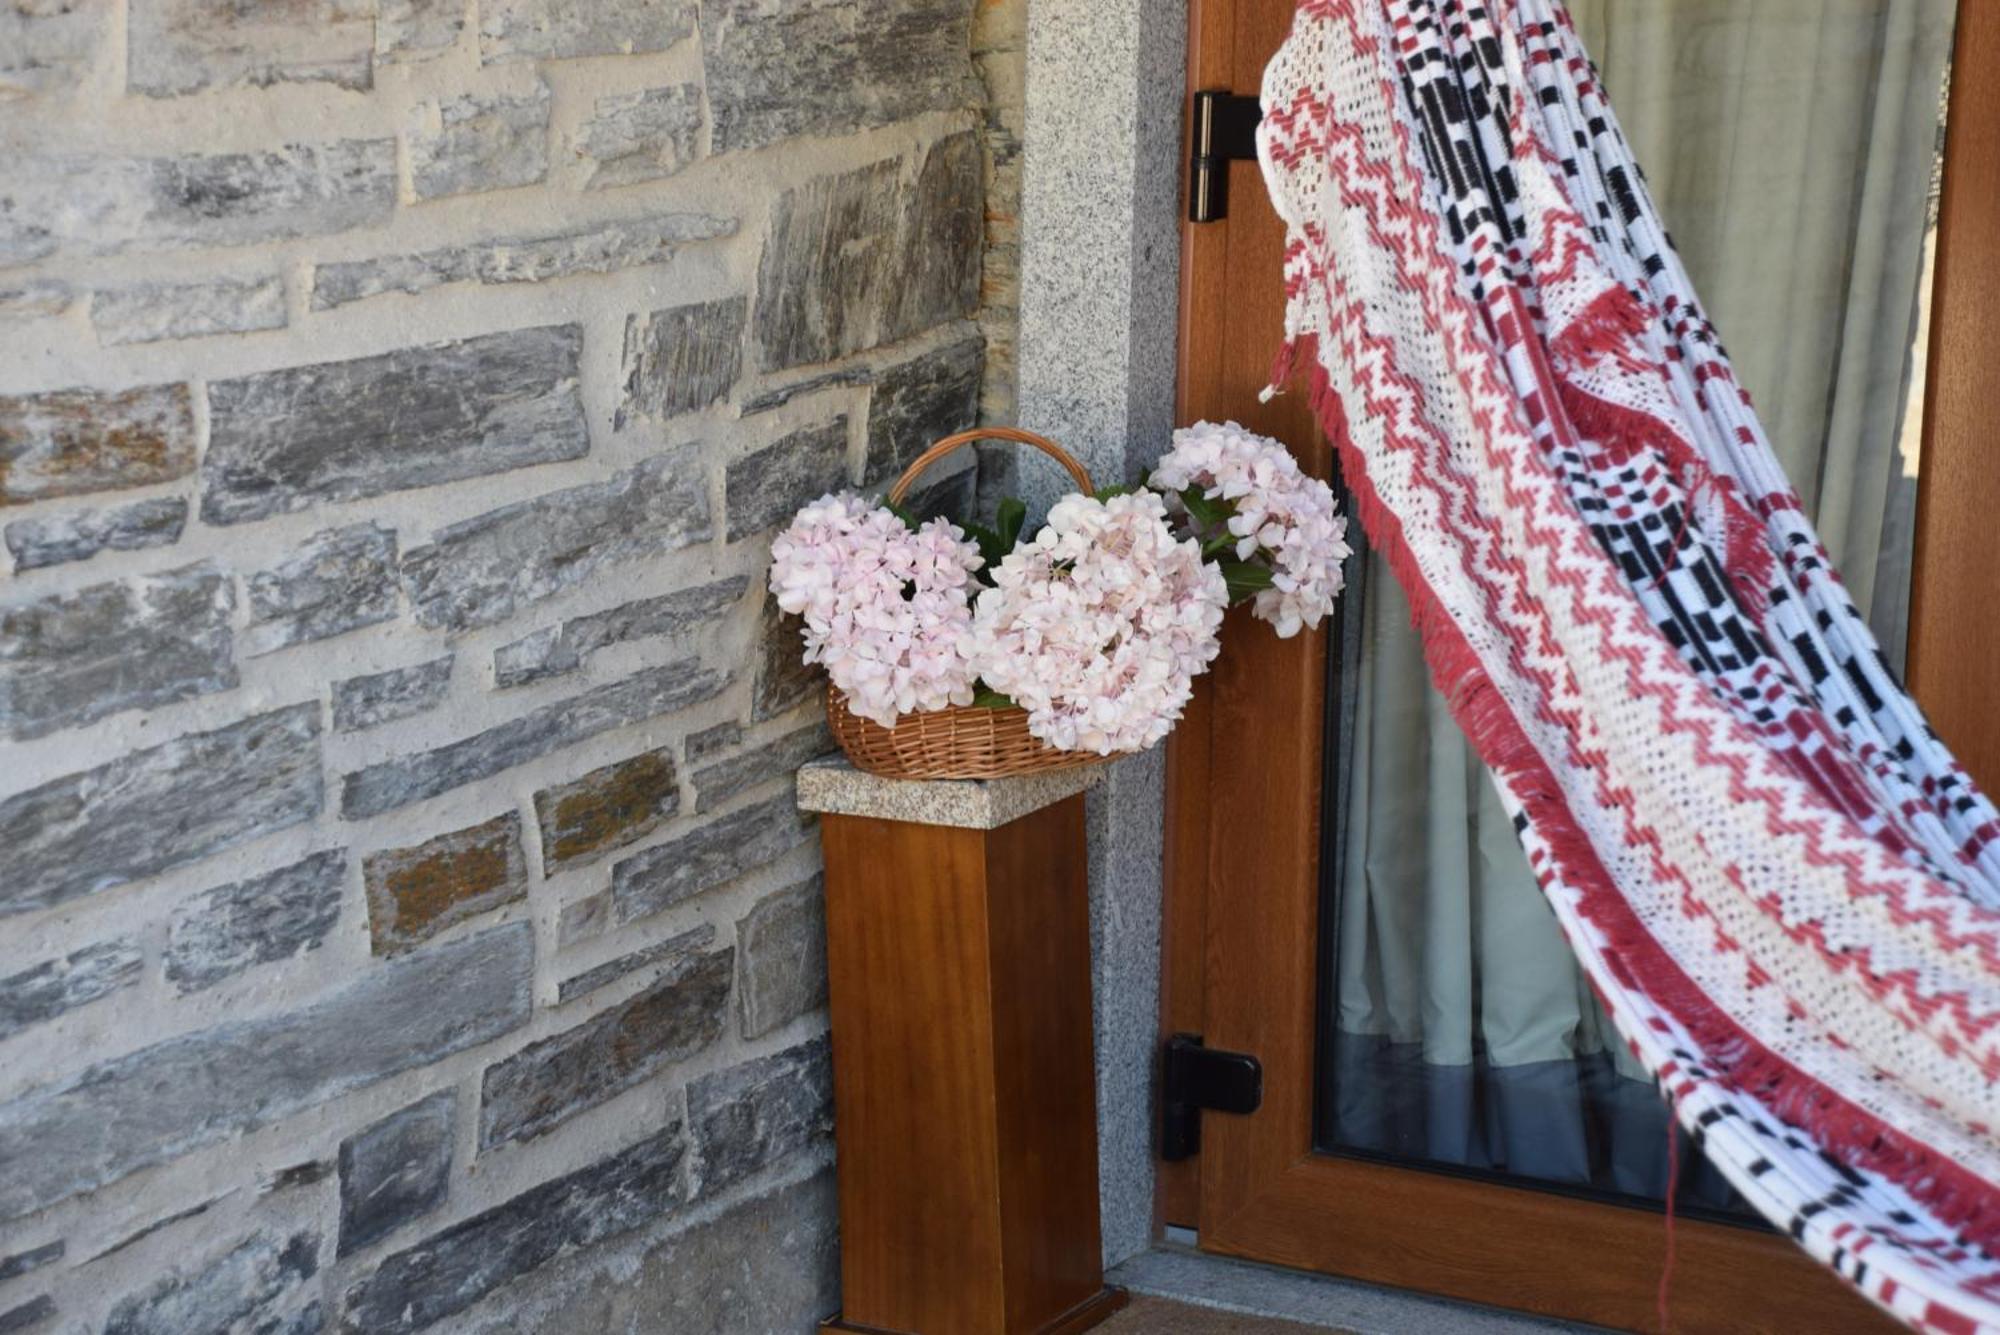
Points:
x=958 y=741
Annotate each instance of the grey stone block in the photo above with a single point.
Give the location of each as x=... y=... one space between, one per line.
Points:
x=162 y=1101
x=408 y=30
x=417 y=892
x=46 y=48
x=516 y=29
x=246 y=1289
x=33 y=298
x=473 y=143
x=396 y=1171
x=547 y=1083
x=71 y=441
x=54 y=986
x=181 y=46
x=775 y=759
x=583 y=919
x=921 y=401
x=160 y=807
x=715 y=854
x=385 y=697
x=559 y=649
x=451 y=1270
x=748 y=1117
x=78 y=535
x=642 y=136
x=394 y=783
x=68 y=659
x=764 y=489
x=22 y=1263
x=683 y=359
x=276 y=916
x=150 y=312
x=339 y=580
x=782 y=949
x=712 y=742
x=484 y=569
x=784 y=679
x=605 y=809
x=670 y=950
x=283 y=440
x=30 y=1314
x=830 y=67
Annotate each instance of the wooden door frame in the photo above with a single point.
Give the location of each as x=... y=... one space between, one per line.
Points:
x=1243 y=807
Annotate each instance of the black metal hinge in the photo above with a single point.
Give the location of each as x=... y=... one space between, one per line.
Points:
x=1194 y=1078
x=1224 y=131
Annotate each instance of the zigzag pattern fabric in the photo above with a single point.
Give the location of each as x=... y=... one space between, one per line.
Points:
x=1784 y=889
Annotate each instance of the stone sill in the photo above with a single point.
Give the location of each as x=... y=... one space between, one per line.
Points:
x=832 y=786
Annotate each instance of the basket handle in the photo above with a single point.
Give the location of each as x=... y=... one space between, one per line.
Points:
x=1015 y=434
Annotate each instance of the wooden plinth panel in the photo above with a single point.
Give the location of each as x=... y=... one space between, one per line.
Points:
x=964 y=1110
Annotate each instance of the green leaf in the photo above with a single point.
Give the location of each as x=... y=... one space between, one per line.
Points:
x=903 y=513
x=1244 y=579
x=1106 y=493
x=1220 y=543
x=1012 y=515
x=1206 y=512
x=985 y=697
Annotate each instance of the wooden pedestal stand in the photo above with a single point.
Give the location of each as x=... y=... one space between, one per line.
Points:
x=958 y=943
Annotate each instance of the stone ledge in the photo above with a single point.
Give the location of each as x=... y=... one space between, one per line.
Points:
x=832 y=786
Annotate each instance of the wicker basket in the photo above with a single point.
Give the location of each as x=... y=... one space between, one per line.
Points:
x=959 y=741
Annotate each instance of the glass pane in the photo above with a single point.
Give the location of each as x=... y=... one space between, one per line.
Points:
x=1793 y=146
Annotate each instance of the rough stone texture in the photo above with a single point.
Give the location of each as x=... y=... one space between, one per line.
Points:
x=150 y=312
x=702 y=859
x=35 y=297
x=28 y=1315
x=828 y=67
x=415 y=893
x=449 y=1271
x=545 y=1083
x=71 y=441
x=921 y=401
x=582 y=920
x=45 y=46
x=682 y=360
x=555 y=650
x=606 y=809
x=234 y=927
x=642 y=136
x=1000 y=52
x=282 y=440
x=70 y=659
x=396 y=1171
x=780 y=756
x=386 y=697
x=782 y=948
x=180 y=46
x=765 y=489
x=474 y=143
x=511 y=29
x=55 y=986
x=393 y=783
x=672 y=949
x=247 y=1289
x=749 y=1117
x=160 y=1102
x=408 y=30
x=159 y=808
x=78 y=535
x=784 y=679
x=340 y=580
x=832 y=785
x=712 y=742
x=484 y=569
x=21 y=1263
x=865 y=257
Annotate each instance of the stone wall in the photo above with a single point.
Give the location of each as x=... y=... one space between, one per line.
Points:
x=406 y=921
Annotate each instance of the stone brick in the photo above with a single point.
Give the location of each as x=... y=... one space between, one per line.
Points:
x=642 y=136
x=72 y=441
x=54 y=986
x=550 y=1081
x=473 y=143
x=385 y=697
x=99 y=204
x=18 y=1320
x=451 y=1270
x=748 y=1117
x=68 y=659
x=583 y=919
x=921 y=401
x=181 y=46
x=605 y=809
x=764 y=489
x=33 y=298
x=340 y=580
x=711 y=742
x=159 y=808
x=672 y=949
x=46 y=48
x=778 y=395
x=683 y=359
x=149 y=312
x=717 y=853
x=78 y=535
x=416 y=29
x=778 y=758
x=782 y=949
x=829 y=67
x=310 y=1173
x=484 y=569
x=247 y=1289
x=276 y=916
x=944 y=230
x=415 y=893
x=784 y=679
x=396 y=1171
x=393 y=783
x=283 y=440
x=515 y=29
x=559 y=649
x=22 y=1263
x=161 y=1102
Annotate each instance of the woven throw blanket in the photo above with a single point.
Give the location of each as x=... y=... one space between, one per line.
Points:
x=1779 y=881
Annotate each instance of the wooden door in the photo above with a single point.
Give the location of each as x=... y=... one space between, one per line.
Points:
x=1242 y=947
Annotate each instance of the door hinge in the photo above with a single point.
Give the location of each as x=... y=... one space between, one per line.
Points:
x=1194 y=1078
x=1224 y=131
